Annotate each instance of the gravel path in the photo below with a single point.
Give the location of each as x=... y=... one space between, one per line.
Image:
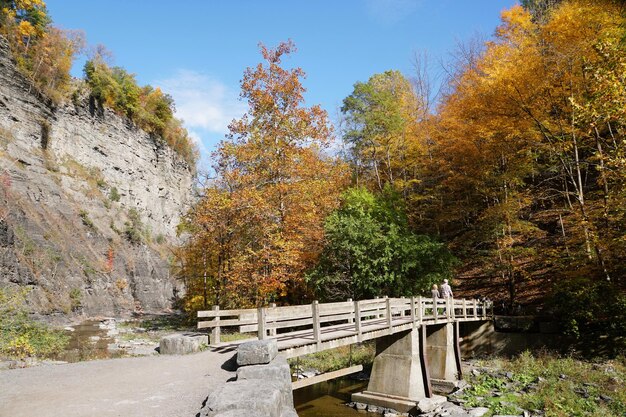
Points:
x=157 y=386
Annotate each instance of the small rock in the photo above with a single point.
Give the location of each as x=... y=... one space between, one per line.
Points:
x=360 y=406
x=531 y=387
x=450 y=409
x=562 y=376
x=426 y=405
x=605 y=398
x=309 y=374
x=373 y=408
x=458 y=401
x=475 y=372
x=478 y=411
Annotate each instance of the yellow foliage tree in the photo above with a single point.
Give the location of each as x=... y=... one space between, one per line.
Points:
x=273 y=190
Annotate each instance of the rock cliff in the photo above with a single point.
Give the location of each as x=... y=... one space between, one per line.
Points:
x=87 y=204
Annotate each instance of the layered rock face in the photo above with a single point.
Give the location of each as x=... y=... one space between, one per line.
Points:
x=87 y=202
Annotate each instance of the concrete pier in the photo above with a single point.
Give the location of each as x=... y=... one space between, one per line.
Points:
x=399 y=379
x=442 y=351
x=409 y=365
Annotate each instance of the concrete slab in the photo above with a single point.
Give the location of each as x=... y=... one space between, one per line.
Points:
x=403 y=405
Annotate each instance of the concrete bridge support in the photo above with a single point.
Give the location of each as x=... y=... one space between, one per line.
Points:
x=399 y=376
x=442 y=347
x=409 y=365
x=444 y=356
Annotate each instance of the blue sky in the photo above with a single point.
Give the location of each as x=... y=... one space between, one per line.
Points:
x=197 y=50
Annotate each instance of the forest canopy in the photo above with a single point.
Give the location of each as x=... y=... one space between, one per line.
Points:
x=517 y=172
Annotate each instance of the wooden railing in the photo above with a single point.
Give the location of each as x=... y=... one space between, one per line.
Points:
x=275 y=321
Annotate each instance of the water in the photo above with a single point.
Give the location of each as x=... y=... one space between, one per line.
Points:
x=327 y=399
x=89 y=340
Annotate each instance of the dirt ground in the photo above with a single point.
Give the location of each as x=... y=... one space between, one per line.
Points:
x=158 y=386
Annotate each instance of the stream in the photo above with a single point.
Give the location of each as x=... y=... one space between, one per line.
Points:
x=327 y=399
x=103 y=339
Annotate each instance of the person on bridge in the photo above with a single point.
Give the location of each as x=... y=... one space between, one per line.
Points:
x=446 y=290
x=435 y=292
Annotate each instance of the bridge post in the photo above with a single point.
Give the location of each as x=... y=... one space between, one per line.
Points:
x=351 y=319
x=317 y=331
x=215 y=333
x=452 y=308
x=261 y=331
x=357 y=322
x=420 y=309
x=398 y=379
x=413 y=311
x=272 y=330
x=389 y=317
x=435 y=309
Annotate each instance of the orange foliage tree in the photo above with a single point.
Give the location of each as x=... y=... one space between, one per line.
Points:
x=44 y=53
x=528 y=145
x=260 y=222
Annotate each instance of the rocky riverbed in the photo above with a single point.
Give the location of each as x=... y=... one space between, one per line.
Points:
x=528 y=386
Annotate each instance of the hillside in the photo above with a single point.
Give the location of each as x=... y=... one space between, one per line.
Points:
x=88 y=203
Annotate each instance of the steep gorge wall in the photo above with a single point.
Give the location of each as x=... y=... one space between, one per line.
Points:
x=72 y=180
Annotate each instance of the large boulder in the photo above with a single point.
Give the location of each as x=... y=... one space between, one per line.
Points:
x=182 y=343
x=248 y=397
x=257 y=352
x=276 y=371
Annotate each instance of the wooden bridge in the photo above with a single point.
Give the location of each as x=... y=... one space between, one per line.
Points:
x=300 y=330
x=417 y=340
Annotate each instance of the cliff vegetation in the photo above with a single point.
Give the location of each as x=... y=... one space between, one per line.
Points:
x=45 y=55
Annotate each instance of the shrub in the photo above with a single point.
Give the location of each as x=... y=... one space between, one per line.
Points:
x=75 y=299
x=114 y=195
x=21 y=336
x=84 y=216
x=121 y=284
x=45 y=134
x=593 y=313
x=134 y=226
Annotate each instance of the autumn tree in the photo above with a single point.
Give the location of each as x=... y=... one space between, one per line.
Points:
x=527 y=145
x=43 y=53
x=280 y=184
x=381 y=129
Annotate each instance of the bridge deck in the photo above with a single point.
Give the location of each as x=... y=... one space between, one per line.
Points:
x=317 y=327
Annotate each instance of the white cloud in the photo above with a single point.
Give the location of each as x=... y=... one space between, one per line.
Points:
x=389 y=12
x=197 y=139
x=204 y=103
